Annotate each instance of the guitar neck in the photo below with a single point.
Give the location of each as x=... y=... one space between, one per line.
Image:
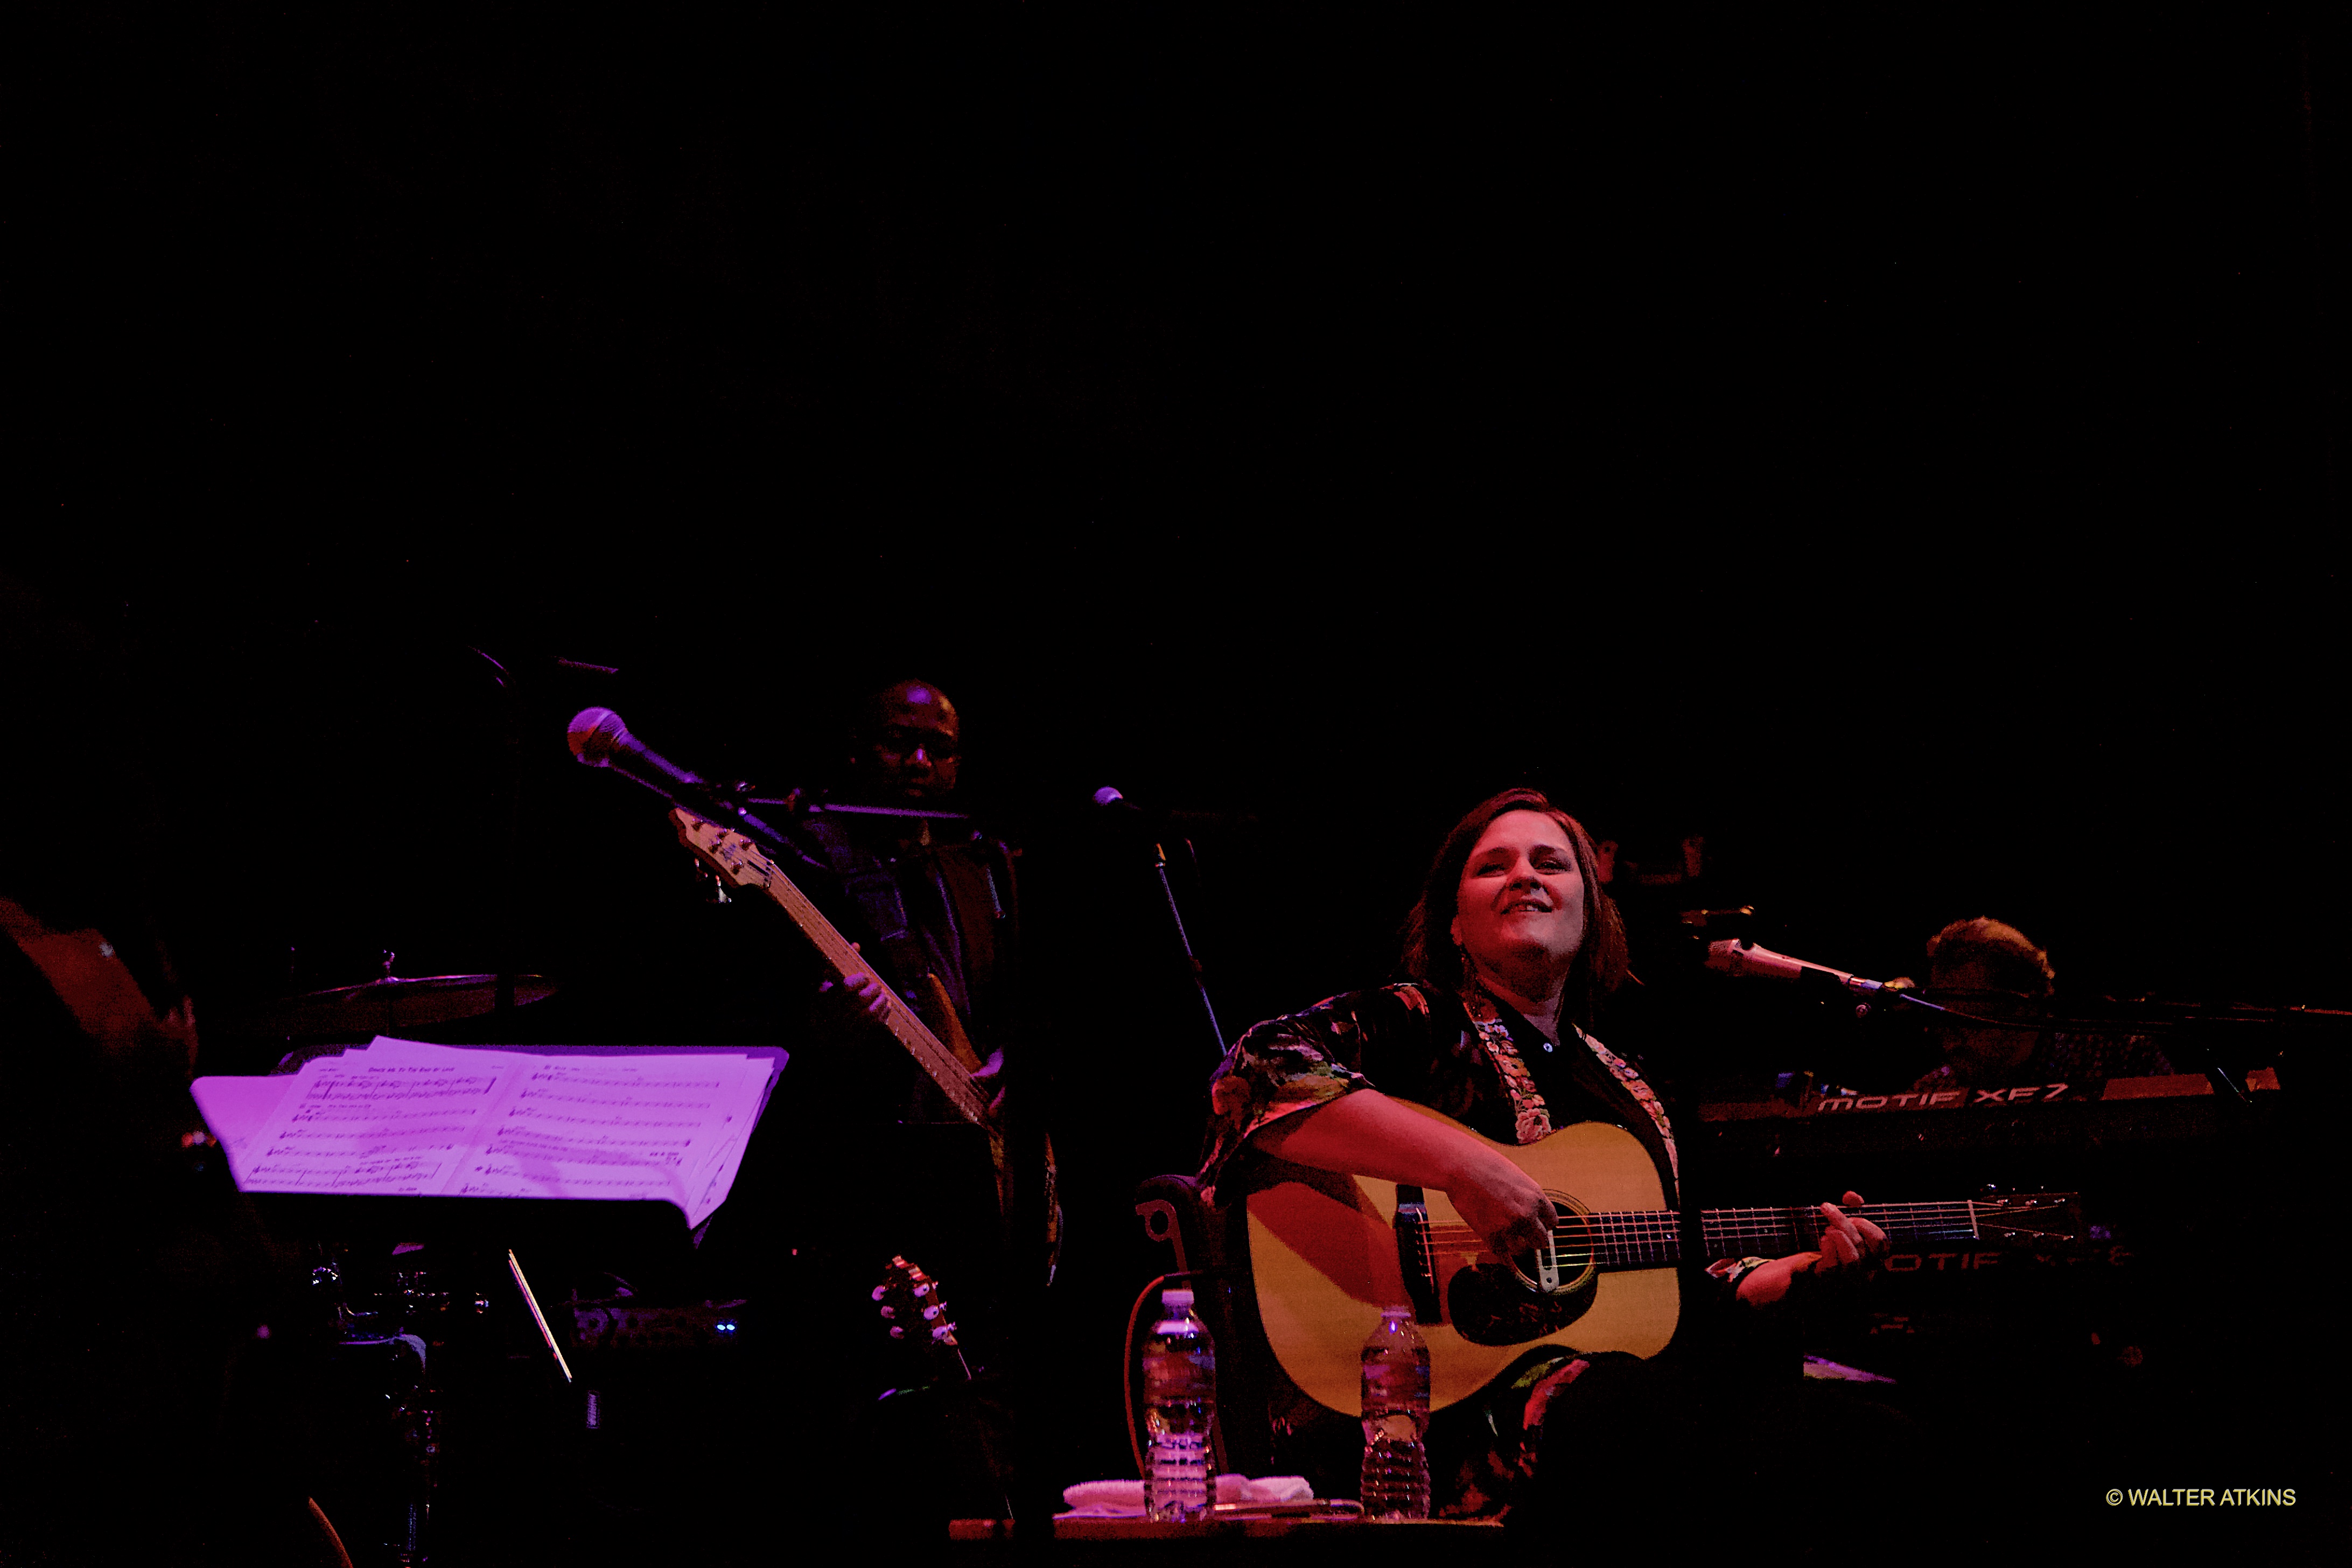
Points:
x=1649 y=1237
x=933 y=1057
x=928 y=1051
x=1771 y=1232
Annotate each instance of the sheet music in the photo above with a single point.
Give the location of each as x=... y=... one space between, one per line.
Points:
x=659 y=1128
x=400 y=1118
x=393 y=1126
x=236 y=1109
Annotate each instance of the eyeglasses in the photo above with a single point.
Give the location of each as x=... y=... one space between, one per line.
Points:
x=901 y=740
x=1985 y=1003
x=1961 y=992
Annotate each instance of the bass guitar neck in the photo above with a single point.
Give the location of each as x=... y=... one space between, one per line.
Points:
x=740 y=862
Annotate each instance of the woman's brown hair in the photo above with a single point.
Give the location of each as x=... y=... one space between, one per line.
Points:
x=1429 y=951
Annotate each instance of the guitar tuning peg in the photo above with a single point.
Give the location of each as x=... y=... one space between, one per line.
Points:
x=898 y=1333
x=880 y=1291
x=930 y=1313
x=889 y=1312
x=921 y=1290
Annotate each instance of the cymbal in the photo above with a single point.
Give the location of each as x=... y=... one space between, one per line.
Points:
x=388 y=1006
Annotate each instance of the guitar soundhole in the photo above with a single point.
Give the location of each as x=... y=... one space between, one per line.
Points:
x=1567 y=1266
x=1492 y=1304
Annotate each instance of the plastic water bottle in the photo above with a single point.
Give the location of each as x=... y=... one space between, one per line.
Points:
x=1179 y=1392
x=1396 y=1419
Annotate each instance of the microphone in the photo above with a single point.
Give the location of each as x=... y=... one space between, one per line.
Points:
x=1745 y=959
x=1122 y=819
x=1109 y=799
x=600 y=740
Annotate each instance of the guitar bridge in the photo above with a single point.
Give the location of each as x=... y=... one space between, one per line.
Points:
x=1416 y=1260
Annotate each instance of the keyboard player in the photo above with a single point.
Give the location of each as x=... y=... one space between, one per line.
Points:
x=1991 y=971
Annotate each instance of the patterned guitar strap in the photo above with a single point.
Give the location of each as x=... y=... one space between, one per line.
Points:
x=1531 y=1119
x=1627 y=1073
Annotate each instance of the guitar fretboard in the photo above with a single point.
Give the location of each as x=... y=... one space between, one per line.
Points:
x=735 y=859
x=1654 y=1237
x=1651 y=1238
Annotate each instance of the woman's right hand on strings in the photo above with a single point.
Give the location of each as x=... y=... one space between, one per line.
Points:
x=1502 y=1203
x=1367 y=1134
x=866 y=989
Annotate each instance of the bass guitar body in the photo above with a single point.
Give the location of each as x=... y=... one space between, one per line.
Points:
x=1326 y=1256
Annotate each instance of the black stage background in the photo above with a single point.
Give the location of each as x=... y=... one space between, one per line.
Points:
x=1906 y=451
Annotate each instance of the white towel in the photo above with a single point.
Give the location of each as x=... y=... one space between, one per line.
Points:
x=1124 y=1499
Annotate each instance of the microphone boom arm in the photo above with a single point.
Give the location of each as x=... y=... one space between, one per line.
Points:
x=599 y=739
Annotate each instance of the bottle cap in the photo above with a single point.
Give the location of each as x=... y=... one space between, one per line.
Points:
x=1176 y=1300
x=1403 y=1311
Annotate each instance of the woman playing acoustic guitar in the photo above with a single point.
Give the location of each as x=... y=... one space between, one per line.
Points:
x=1509 y=950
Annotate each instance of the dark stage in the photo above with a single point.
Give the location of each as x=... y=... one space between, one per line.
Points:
x=1874 y=471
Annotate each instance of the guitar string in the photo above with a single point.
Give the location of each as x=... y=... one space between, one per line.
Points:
x=846 y=960
x=1732 y=1215
x=939 y=1064
x=1764 y=1222
x=1611 y=1245
x=1644 y=1230
x=1668 y=1250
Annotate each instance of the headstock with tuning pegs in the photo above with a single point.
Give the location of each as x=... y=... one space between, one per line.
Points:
x=910 y=1302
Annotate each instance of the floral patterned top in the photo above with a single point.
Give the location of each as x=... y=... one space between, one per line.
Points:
x=1472 y=1058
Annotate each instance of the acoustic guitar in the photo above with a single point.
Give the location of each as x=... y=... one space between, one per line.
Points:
x=911 y=1304
x=1328 y=1251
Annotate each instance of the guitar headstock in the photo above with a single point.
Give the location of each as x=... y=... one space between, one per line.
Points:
x=2028 y=1217
x=734 y=858
x=910 y=1302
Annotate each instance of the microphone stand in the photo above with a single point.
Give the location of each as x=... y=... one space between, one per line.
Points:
x=1184 y=941
x=721 y=805
x=502 y=1001
x=1136 y=821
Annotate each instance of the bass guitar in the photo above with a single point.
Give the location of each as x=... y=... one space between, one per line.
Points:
x=1328 y=1251
x=740 y=862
